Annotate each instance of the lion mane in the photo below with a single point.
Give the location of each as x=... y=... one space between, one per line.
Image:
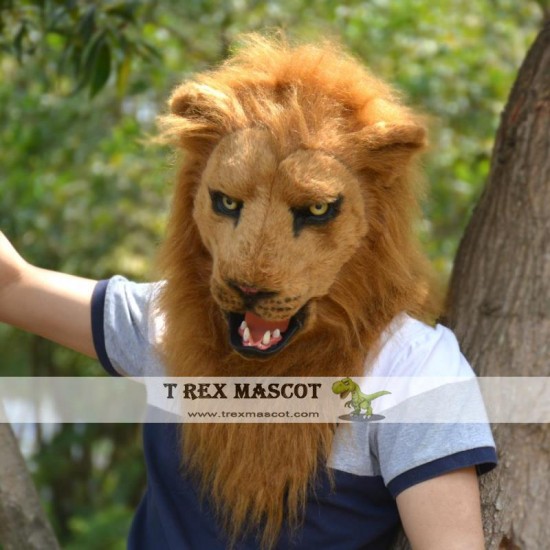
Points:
x=278 y=126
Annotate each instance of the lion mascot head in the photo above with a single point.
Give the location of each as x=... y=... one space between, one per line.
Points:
x=289 y=249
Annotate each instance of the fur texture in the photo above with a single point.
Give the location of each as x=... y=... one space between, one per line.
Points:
x=279 y=127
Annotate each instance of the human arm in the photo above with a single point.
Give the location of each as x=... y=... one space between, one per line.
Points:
x=443 y=513
x=434 y=440
x=51 y=304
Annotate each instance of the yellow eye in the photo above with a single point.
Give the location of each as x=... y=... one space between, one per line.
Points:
x=229 y=203
x=319 y=209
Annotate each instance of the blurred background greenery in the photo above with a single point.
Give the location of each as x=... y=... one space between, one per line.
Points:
x=81 y=191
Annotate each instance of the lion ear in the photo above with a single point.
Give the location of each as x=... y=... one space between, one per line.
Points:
x=388 y=147
x=407 y=136
x=199 y=102
x=199 y=115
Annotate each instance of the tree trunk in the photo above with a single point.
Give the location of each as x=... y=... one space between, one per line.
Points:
x=499 y=302
x=23 y=525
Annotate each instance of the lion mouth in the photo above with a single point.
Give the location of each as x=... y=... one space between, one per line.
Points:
x=254 y=336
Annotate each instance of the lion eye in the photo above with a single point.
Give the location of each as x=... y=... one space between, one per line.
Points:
x=316 y=214
x=229 y=203
x=319 y=209
x=225 y=205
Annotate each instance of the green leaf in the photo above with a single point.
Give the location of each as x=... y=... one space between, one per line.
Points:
x=86 y=26
x=86 y=64
x=102 y=68
x=18 y=41
x=90 y=52
x=124 y=10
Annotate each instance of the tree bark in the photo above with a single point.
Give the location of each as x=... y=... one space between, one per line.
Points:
x=499 y=302
x=23 y=525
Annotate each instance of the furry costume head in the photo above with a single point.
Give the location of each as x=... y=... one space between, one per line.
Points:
x=289 y=249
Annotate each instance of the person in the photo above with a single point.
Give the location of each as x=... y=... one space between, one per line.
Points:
x=440 y=510
x=290 y=251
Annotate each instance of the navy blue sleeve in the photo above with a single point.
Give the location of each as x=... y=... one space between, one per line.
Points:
x=98 y=326
x=483 y=458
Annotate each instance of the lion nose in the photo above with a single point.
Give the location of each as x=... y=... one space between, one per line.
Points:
x=251 y=293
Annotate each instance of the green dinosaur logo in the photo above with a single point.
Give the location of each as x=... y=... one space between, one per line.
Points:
x=359 y=401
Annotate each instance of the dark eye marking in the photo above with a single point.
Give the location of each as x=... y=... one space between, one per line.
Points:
x=315 y=214
x=225 y=205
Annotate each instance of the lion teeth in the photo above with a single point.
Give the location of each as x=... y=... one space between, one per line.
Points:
x=243 y=325
x=267 y=338
x=246 y=334
x=276 y=333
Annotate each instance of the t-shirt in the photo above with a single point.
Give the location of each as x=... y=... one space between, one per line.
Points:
x=371 y=462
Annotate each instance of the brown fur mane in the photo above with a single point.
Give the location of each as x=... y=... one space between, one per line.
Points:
x=311 y=97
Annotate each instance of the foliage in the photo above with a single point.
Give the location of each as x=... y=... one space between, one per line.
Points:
x=88 y=39
x=81 y=190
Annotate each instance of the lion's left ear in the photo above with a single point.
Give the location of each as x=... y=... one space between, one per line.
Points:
x=388 y=147
x=407 y=135
x=200 y=115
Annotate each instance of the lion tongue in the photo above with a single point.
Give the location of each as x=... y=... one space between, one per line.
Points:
x=259 y=326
